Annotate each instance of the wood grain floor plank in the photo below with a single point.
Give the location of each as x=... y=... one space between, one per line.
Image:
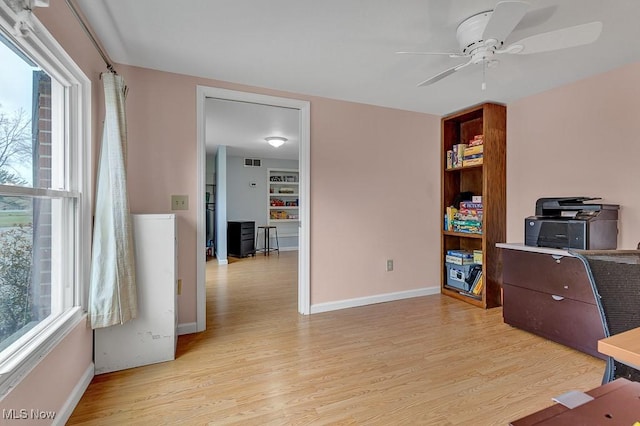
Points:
x=423 y=361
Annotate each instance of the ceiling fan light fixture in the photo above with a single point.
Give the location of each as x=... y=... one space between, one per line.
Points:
x=276 y=141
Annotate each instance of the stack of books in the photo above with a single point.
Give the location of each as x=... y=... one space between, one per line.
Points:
x=455 y=156
x=468 y=218
x=473 y=151
x=449 y=216
x=478 y=283
x=459 y=257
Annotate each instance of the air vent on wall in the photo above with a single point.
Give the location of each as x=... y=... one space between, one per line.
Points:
x=252 y=162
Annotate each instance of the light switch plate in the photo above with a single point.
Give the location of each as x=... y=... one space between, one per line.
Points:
x=179 y=202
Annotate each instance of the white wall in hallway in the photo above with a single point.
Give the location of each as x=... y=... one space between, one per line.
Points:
x=248 y=202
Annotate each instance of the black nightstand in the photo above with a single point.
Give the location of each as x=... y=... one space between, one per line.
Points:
x=240 y=238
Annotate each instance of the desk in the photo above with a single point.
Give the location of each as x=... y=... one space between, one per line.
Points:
x=615 y=403
x=624 y=347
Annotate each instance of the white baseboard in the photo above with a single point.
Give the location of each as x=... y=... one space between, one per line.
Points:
x=187 y=328
x=70 y=404
x=223 y=261
x=370 y=300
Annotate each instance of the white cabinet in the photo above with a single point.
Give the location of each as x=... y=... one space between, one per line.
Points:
x=152 y=336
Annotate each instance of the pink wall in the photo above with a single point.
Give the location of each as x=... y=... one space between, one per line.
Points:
x=580 y=139
x=374 y=185
x=375 y=195
x=49 y=385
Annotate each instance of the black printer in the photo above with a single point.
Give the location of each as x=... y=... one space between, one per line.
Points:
x=570 y=223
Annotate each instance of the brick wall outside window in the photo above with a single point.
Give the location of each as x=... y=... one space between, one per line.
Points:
x=41 y=133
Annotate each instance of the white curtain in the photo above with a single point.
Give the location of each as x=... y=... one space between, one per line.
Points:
x=112 y=295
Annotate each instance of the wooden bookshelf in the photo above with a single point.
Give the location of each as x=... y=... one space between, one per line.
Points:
x=487 y=180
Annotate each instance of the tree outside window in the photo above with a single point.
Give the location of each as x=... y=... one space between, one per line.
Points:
x=25 y=222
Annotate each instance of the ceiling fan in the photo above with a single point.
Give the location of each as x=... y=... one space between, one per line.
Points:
x=482 y=36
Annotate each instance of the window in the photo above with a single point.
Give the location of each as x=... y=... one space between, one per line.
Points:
x=44 y=196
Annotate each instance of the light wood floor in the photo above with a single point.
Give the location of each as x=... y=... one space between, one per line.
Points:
x=423 y=361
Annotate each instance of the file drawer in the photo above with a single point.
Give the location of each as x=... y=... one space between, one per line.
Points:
x=548 y=292
x=240 y=238
x=563 y=276
x=571 y=322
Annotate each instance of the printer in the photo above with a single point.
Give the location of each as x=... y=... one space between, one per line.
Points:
x=572 y=223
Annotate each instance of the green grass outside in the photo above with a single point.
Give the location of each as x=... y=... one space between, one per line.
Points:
x=15 y=218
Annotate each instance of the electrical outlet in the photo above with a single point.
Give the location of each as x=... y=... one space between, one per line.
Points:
x=389 y=265
x=179 y=202
x=179 y=287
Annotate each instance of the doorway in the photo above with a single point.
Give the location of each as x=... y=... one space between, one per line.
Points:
x=303 y=108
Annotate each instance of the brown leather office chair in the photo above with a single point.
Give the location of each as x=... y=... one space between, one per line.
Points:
x=615 y=279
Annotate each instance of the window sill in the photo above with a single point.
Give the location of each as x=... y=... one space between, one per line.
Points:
x=20 y=363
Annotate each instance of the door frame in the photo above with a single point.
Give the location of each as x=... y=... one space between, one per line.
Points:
x=304 y=108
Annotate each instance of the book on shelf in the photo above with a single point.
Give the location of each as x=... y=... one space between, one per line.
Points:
x=450 y=216
x=466 y=223
x=473 y=150
x=460 y=151
x=466 y=254
x=467 y=226
x=457 y=155
x=478 y=285
x=477 y=256
x=457 y=260
x=472 y=162
x=477 y=140
x=471 y=156
x=470 y=205
x=470 y=214
x=474 y=275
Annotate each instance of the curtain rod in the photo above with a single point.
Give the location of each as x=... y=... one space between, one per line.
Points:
x=105 y=58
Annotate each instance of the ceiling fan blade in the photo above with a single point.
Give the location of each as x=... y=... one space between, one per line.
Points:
x=443 y=74
x=559 y=39
x=506 y=15
x=450 y=54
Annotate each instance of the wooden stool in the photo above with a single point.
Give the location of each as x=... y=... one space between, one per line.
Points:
x=266 y=232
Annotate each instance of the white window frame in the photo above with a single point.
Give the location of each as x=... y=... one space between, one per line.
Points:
x=40 y=45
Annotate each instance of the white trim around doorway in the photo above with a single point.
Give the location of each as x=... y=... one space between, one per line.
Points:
x=304 y=107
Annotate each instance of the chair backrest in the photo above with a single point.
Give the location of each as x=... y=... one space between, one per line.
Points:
x=615 y=279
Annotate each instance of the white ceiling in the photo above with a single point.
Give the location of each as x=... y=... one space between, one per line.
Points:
x=243 y=127
x=345 y=49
